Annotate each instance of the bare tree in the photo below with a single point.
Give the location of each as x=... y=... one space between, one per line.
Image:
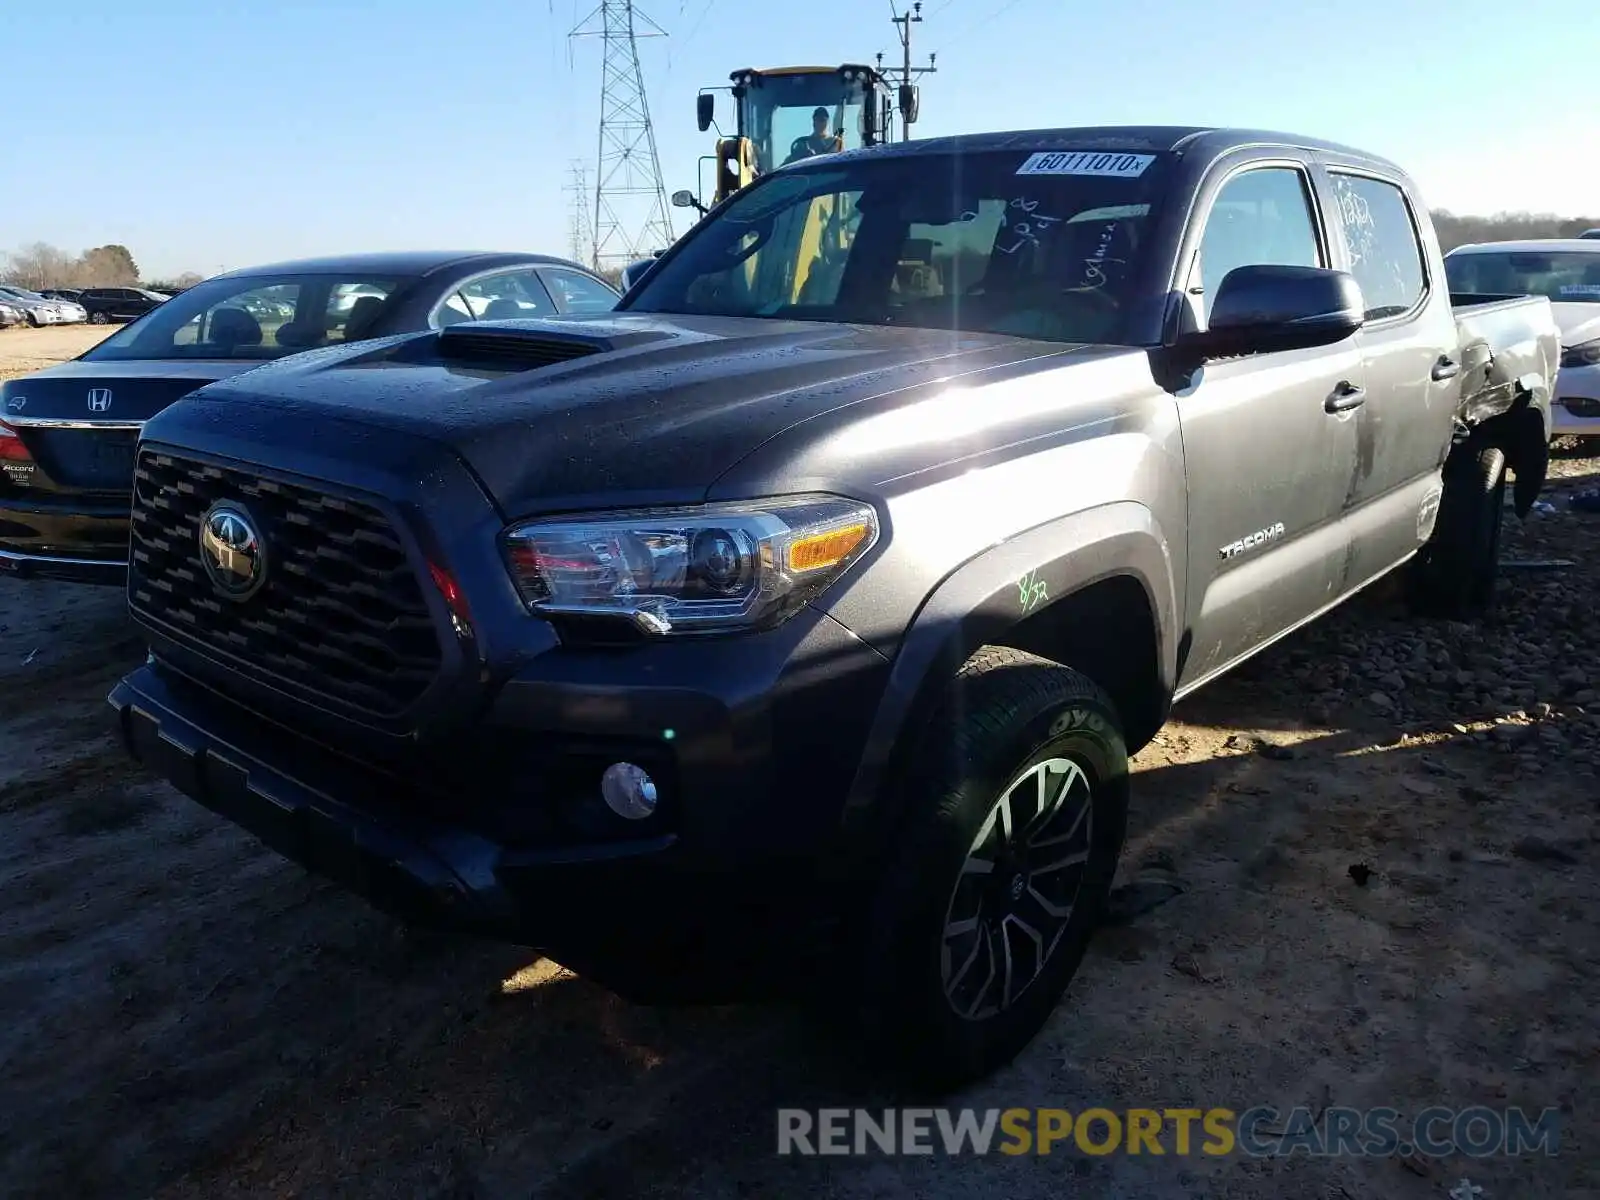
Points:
x=177 y=283
x=40 y=265
x=1456 y=230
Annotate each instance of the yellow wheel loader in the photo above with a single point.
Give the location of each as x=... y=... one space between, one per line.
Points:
x=786 y=113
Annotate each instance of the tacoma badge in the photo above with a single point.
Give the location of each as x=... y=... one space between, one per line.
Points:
x=1259 y=538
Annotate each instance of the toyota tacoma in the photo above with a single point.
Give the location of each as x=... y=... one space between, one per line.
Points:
x=791 y=627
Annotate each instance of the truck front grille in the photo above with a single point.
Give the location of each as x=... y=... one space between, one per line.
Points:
x=341 y=614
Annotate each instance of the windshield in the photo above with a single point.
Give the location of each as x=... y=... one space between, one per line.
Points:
x=256 y=317
x=20 y=294
x=1565 y=276
x=1043 y=245
x=790 y=117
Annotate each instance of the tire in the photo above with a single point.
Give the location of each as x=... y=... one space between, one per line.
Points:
x=1008 y=718
x=1454 y=573
x=98 y=318
x=33 y=321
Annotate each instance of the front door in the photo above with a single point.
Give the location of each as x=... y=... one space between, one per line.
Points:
x=1268 y=458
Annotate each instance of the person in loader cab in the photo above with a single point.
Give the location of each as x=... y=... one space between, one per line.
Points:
x=819 y=141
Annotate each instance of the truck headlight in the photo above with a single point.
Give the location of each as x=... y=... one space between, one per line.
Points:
x=703 y=569
x=1585 y=355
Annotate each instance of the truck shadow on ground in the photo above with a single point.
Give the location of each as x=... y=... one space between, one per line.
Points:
x=462 y=1069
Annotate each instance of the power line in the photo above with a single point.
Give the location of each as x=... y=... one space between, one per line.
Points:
x=993 y=14
x=698 y=21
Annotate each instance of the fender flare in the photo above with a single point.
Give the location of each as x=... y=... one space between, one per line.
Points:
x=984 y=597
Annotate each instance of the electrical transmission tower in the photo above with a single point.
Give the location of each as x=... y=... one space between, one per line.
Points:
x=631 y=218
x=580 y=239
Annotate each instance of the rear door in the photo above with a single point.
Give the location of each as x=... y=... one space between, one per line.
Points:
x=1409 y=350
x=1268 y=463
x=130 y=304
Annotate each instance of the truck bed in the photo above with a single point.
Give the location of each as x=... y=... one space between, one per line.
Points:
x=1507 y=343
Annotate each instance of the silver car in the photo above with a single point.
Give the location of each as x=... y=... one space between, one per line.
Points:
x=37 y=308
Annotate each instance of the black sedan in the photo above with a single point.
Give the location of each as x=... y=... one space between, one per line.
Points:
x=67 y=434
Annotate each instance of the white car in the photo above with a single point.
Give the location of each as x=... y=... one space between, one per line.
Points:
x=38 y=309
x=1567 y=271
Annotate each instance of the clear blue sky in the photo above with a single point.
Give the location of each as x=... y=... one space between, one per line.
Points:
x=202 y=133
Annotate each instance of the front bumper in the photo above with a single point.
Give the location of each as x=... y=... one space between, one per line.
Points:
x=1575 y=411
x=716 y=901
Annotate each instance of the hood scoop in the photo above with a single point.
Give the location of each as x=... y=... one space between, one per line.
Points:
x=528 y=345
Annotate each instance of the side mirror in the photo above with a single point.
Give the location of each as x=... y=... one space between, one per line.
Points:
x=684 y=199
x=1262 y=308
x=705 y=108
x=635 y=271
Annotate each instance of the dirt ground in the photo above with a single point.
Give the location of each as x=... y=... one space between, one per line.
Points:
x=24 y=349
x=187 y=1016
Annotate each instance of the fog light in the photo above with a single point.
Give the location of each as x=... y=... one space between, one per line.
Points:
x=628 y=791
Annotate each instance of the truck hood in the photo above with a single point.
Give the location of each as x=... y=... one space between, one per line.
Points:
x=627 y=408
x=1579 y=322
x=138 y=388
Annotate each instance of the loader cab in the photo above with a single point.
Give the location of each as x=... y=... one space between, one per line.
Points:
x=786 y=113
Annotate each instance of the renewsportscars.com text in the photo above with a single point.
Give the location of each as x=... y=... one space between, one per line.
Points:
x=1260 y=1132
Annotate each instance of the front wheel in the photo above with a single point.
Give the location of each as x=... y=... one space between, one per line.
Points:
x=98 y=318
x=1018 y=811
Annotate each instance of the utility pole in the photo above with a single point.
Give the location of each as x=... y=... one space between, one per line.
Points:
x=908 y=73
x=631 y=216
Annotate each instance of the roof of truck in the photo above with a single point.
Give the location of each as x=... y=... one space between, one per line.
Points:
x=1532 y=246
x=1205 y=139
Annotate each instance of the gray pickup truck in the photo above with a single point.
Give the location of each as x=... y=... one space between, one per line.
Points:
x=792 y=625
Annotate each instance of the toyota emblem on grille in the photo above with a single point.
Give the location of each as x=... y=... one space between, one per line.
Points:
x=231 y=551
x=99 y=399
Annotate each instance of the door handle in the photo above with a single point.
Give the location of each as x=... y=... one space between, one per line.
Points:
x=1445 y=368
x=1345 y=397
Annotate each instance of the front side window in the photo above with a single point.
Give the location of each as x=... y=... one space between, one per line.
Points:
x=1261 y=217
x=1385 y=253
x=1565 y=276
x=261 y=317
x=1045 y=245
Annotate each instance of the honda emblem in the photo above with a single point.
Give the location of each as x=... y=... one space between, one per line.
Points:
x=99 y=399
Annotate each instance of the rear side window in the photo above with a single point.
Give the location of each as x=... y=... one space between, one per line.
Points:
x=579 y=294
x=1385 y=254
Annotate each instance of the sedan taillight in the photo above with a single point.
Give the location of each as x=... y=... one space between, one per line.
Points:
x=11 y=447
